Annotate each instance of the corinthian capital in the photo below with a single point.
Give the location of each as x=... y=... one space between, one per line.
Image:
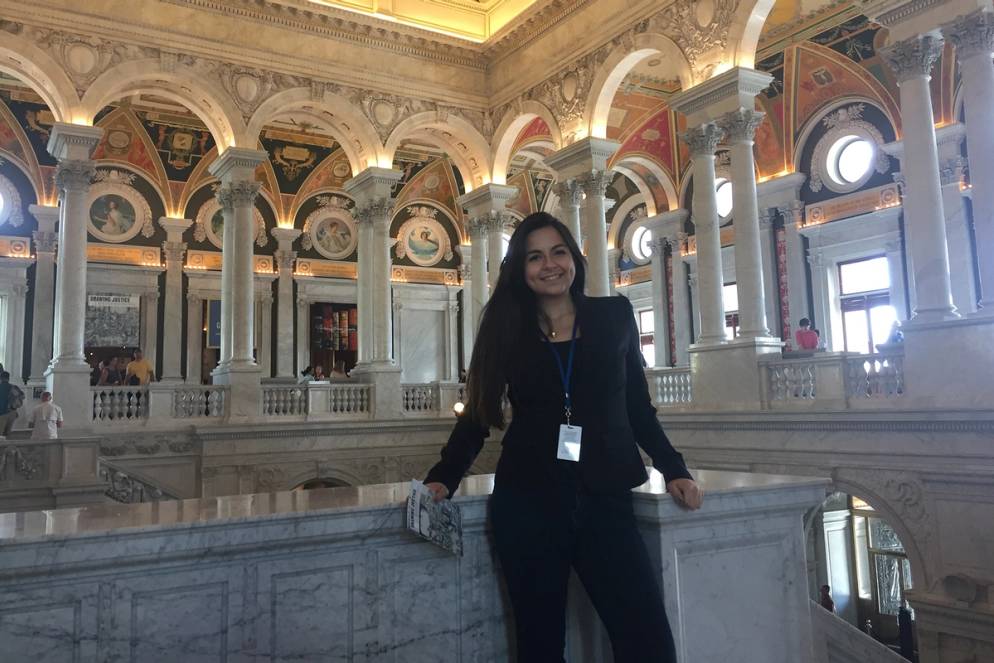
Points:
x=74 y=175
x=972 y=34
x=914 y=57
x=374 y=210
x=238 y=194
x=740 y=125
x=570 y=193
x=703 y=140
x=284 y=259
x=595 y=182
x=45 y=242
x=174 y=251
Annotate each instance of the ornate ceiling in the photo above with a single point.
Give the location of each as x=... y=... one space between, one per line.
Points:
x=476 y=20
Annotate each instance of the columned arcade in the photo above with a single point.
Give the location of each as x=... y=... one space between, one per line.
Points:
x=297 y=212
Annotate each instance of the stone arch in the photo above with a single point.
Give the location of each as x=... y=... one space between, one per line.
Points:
x=213 y=106
x=744 y=32
x=335 y=474
x=513 y=122
x=344 y=121
x=920 y=574
x=614 y=237
x=662 y=176
x=812 y=122
x=25 y=61
x=467 y=148
x=618 y=65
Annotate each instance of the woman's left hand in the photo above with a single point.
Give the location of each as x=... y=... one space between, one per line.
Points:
x=686 y=493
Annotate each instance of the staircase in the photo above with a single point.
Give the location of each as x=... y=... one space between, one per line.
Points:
x=837 y=641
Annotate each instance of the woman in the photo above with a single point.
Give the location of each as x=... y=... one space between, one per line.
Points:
x=111 y=374
x=562 y=496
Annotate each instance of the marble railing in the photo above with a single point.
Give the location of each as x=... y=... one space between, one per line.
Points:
x=669 y=386
x=44 y=474
x=332 y=575
x=833 y=380
x=119 y=405
x=283 y=401
x=837 y=641
x=125 y=487
x=420 y=399
x=199 y=402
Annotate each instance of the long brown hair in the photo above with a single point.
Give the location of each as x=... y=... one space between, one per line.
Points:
x=511 y=313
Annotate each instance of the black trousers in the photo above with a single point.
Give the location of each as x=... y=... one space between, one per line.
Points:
x=540 y=534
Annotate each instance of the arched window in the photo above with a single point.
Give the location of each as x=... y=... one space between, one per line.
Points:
x=723 y=194
x=849 y=159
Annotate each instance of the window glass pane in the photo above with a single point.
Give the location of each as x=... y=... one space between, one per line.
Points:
x=882 y=319
x=855 y=159
x=888 y=584
x=723 y=195
x=883 y=536
x=862 y=558
x=1 y=204
x=642 y=243
x=858 y=503
x=864 y=275
x=857 y=332
x=730 y=298
x=649 y=352
x=646 y=322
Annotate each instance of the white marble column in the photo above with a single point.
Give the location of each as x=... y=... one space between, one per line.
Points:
x=912 y=60
x=452 y=341
x=973 y=36
x=702 y=141
x=740 y=127
x=172 y=323
x=594 y=211
x=570 y=198
x=768 y=252
x=479 y=288
x=495 y=246
x=194 y=338
x=613 y=270
x=468 y=307
x=46 y=242
x=68 y=376
x=264 y=332
x=371 y=190
x=681 y=303
x=660 y=302
x=284 y=257
x=895 y=270
x=304 y=335
x=364 y=295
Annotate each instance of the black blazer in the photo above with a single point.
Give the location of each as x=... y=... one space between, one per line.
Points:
x=613 y=397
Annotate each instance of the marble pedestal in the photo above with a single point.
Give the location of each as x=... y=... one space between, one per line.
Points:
x=729 y=375
x=244 y=390
x=70 y=387
x=387 y=391
x=955 y=355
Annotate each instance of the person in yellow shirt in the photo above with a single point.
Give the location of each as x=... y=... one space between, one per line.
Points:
x=139 y=370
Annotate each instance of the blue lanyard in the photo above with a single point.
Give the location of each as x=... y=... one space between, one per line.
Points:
x=565 y=374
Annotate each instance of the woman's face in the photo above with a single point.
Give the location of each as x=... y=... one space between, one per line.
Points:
x=549 y=267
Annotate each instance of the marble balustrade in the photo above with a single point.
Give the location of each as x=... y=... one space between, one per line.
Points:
x=332 y=575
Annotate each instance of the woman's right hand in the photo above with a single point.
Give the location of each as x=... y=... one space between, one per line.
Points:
x=438 y=490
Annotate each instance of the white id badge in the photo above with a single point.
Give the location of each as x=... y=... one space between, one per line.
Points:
x=569 y=443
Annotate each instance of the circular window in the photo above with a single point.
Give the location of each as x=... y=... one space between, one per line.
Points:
x=723 y=196
x=849 y=159
x=642 y=243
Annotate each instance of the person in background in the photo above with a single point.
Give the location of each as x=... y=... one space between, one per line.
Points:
x=319 y=373
x=825 y=598
x=46 y=419
x=305 y=376
x=139 y=370
x=11 y=398
x=807 y=338
x=95 y=374
x=338 y=372
x=111 y=374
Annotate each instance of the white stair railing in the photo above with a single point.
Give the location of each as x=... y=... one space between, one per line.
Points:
x=119 y=405
x=196 y=402
x=284 y=401
x=420 y=398
x=350 y=399
x=875 y=376
x=838 y=641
